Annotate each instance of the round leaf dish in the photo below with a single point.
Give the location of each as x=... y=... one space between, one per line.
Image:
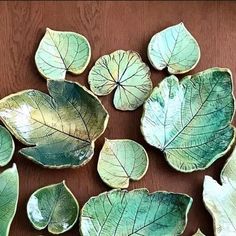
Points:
x=127 y=73
x=53 y=207
x=120 y=161
x=61 y=128
x=137 y=212
x=60 y=52
x=174 y=48
x=190 y=120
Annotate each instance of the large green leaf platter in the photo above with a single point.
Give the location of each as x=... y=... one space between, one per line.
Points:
x=138 y=212
x=53 y=207
x=61 y=52
x=124 y=72
x=120 y=161
x=7 y=146
x=190 y=120
x=61 y=128
x=9 y=194
x=174 y=48
x=220 y=199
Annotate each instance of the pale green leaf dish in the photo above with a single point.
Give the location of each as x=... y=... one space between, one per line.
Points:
x=174 y=48
x=61 y=128
x=138 y=212
x=9 y=194
x=190 y=120
x=198 y=233
x=219 y=199
x=120 y=161
x=53 y=207
x=60 y=52
x=124 y=72
x=7 y=146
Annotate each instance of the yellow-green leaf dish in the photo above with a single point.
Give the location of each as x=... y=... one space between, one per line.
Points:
x=219 y=199
x=124 y=72
x=9 y=194
x=138 y=212
x=190 y=120
x=61 y=128
x=120 y=161
x=7 y=146
x=174 y=48
x=53 y=207
x=61 y=52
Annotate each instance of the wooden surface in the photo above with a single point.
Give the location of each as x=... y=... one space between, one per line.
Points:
x=110 y=26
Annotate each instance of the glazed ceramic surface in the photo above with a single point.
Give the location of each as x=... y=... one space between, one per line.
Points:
x=138 y=212
x=7 y=146
x=60 y=128
x=190 y=121
x=53 y=207
x=220 y=199
x=9 y=193
x=127 y=73
x=120 y=161
x=60 y=52
x=174 y=48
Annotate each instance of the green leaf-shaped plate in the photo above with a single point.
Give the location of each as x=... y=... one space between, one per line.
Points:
x=61 y=128
x=190 y=121
x=138 y=212
x=174 y=48
x=121 y=160
x=127 y=73
x=7 y=146
x=59 y=52
x=220 y=199
x=9 y=193
x=53 y=207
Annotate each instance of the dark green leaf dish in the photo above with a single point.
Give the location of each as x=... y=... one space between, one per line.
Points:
x=190 y=120
x=138 y=212
x=61 y=128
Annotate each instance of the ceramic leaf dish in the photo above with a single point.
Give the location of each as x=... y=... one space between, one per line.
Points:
x=61 y=52
x=124 y=72
x=60 y=128
x=137 y=212
x=174 y=48
x=120 y=161
x=190 y=120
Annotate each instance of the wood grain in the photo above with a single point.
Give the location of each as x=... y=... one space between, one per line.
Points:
x=110 y=26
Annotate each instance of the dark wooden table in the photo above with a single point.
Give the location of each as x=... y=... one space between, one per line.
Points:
x=110 y=26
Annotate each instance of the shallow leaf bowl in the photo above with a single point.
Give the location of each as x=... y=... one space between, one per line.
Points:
x=124 y=72
x=190 y=120
x=59 y=129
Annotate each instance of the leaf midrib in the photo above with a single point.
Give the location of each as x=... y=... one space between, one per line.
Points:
x=58 y=51
x=51 y=127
